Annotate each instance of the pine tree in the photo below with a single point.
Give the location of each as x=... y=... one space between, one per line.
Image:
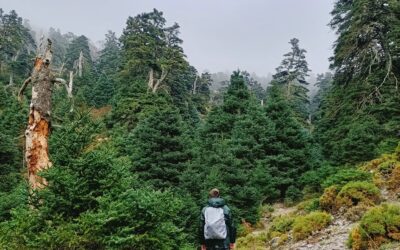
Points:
x=291 y=76
x=290 y=153
x=254 y=86
x=60 y=46
x=324 y=84
x=93 y=200
x=233 y=145
x=201 y=92
x=107 y=67
x=364 y=96
x=16 y=48
x=151 y=49
x=11 y=166
x=157 y=148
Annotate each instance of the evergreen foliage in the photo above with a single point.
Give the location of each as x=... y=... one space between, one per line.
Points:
x=158 y=149
x=291 y=77
x=16 y=48
x=291 y=150
x=132 y=163
x=361 y=108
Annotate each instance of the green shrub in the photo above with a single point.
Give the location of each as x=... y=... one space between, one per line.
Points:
x=355 y=213
x=328 y=198
x=292 y=195
x=135 y=219
x=252 y=241
x=266 y=210
x=383 y=168
x=350 y=195
x=345 y=176
x=378 y=225
x=279 y=228
x=393 y=182
x=309 y=205
x=282 y=223
x=303 y=226
x=311 y=180
x=354 y=193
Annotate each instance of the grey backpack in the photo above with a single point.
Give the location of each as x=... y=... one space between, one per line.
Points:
x=215 y=227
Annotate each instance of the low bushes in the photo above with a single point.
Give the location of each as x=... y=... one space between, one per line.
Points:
x=280 y=227
x=282 y=224
x=352 y=194
x=252 y=241
x=378 y=225
x=345 y=176
x=328 y=198
x=303 y=226
x=386 y=170
x=309 y=205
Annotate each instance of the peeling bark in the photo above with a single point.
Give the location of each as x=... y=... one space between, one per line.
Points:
x=36 y=154
x=38 y=129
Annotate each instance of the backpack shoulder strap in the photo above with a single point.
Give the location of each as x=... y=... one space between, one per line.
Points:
x=203 y=211
x=227 y=211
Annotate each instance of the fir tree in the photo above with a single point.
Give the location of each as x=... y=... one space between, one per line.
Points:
x=291 y=76
x=365 y=83
x=290 y=153
x=157 y=148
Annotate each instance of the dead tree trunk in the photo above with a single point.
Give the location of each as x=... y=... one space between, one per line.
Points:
x=68 y=88
x=195 y=85
x=80 y=64
x=38 y=129
x=154 y=84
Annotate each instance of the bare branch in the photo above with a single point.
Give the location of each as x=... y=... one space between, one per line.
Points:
x=164 y=74
x=23 y=87
x=60 y=81
x=68 y=87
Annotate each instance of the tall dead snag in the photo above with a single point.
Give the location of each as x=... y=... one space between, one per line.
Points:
x=37 y=131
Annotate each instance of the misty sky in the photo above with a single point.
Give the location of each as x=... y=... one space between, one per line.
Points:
x=218 y=35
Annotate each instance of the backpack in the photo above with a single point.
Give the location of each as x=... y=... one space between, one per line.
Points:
x=215 y=227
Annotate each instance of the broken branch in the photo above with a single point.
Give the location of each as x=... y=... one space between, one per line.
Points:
x=23 y=87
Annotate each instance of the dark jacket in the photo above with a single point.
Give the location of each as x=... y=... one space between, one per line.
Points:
x=231 y=230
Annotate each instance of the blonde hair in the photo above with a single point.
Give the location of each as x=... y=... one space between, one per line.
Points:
x=214 y=193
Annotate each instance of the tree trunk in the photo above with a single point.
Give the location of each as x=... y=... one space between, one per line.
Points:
x=151 y=80
x=164 y=74
x=11 y=81
x=80 y=64
x=37 y=132
x=195 y=85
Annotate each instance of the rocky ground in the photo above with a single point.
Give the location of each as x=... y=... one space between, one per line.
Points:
x=334 y=237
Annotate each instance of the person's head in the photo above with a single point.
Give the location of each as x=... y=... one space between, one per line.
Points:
x=214 y=193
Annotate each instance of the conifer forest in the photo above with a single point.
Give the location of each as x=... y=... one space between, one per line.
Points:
x=117 y=145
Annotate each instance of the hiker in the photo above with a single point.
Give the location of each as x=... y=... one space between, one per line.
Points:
x=217 y=229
